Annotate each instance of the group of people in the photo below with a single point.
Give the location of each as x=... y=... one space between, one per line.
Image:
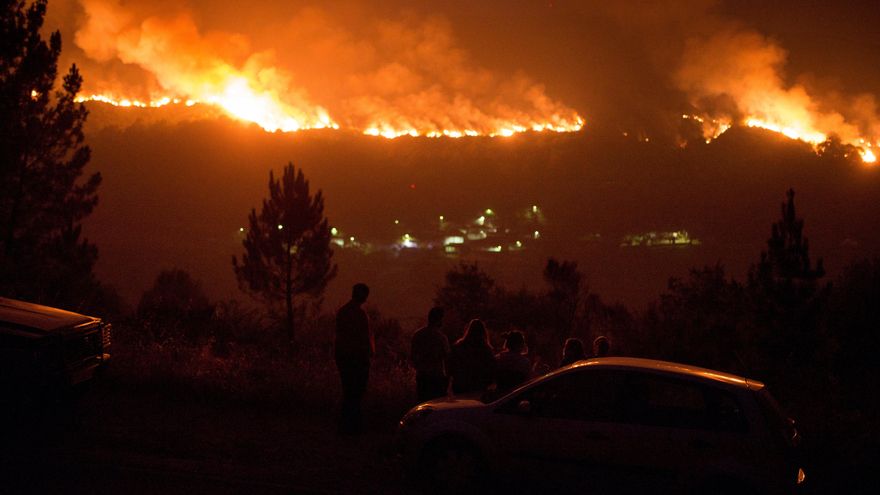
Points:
x=470 y=365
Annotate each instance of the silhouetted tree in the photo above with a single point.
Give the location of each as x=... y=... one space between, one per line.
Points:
x=853 y=321
x=700 y=319
x=786 y=298
x=834 y=150
x=564 y=296
x=42 y=156
x=287 y=247
x=174 y=307
x=467 y=293
x=174 y=294
x=786 y=261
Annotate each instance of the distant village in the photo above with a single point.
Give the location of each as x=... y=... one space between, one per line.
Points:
x=490 y=232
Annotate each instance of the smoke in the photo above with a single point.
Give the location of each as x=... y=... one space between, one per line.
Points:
x=188 y=64
x=464 y=67
x=739 y=76
x=386 y=76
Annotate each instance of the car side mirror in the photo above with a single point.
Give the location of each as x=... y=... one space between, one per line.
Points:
x=524 y=407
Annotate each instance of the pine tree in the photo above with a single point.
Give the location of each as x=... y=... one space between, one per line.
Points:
x=786 y=297
x=786 y=262
x=287 y=247
x=42 y=157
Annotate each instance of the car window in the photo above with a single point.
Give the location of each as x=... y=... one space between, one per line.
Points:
x=670 y=402
x=584 y=395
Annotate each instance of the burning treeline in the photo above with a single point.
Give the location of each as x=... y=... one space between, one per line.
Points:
x=734 y=77
x=410 y=76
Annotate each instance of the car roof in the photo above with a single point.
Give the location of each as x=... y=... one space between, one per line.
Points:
x=29 y=316
x=671 y=368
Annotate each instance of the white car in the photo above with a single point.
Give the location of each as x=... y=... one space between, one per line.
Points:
x=610 y=425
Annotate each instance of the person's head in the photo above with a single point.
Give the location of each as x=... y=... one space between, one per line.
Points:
x=360 y=292
x=475 y=334
x=573 y=350
x=435 y=316
x=601 y=346
x=515 y=342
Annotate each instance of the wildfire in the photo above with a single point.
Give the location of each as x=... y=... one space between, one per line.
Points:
x=382 y=77
x=713 y=128
x=733 y=72
x=242 y=103
x=238 y=100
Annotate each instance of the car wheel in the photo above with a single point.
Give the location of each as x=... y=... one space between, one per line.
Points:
x=452 y=466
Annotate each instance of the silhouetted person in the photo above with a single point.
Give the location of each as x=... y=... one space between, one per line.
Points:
x=471 y=361
x=601 y=346
x=512 y=367
x=572 y=352
x=430 y=348
x=354 y=348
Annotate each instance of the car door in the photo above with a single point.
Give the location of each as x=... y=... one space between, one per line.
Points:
x=688 y=430
x=565 y=430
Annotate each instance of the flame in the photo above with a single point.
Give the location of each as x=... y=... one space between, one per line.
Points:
x=794 y=130
x=713 y=128
x=242 y=102
x=733 y=73
x=239 y=101
x=385 y=78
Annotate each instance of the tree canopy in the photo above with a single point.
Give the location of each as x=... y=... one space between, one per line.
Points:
x=42 y=157
x=287 y=247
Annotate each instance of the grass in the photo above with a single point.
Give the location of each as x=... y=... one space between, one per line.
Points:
x=258 y=367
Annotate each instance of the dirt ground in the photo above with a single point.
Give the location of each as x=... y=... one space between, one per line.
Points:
x=135 y=441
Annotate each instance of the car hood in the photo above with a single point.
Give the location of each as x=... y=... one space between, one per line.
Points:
x=37 y=319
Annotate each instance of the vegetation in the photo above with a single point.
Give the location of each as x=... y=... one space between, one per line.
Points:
x=287 y=249
x=42 y=157
x=805 y=339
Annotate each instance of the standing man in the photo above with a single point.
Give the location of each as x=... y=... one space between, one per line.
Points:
x=354 y=349
x=430 y=348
